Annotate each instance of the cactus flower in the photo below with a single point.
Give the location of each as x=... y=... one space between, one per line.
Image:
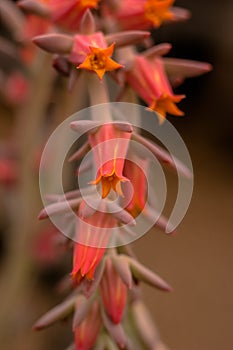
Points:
x=149 y=79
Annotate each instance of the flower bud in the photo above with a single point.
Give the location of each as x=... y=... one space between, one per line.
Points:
x=113 y=292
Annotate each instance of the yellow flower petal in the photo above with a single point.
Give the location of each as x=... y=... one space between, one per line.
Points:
x=166 y=104
x=99 y=61
x=157 y=11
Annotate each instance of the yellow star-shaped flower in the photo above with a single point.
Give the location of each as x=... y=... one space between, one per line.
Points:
x=99 y=61
x=157 y=11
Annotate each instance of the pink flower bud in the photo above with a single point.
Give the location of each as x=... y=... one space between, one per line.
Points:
x=113 y=292
x=87 y=332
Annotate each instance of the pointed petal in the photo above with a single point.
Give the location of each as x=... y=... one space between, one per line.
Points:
x=163 y=156
x=54 y=43
x=69 y=195
x=161 y=222
x=83 y=126
x=86 y=211
x=12 y=18
x=180 y=14
x=121 y=265
x=60 y=312
x=182 y=68
x=85 y=166
x=82 y=306
x=106 y=187
x=123 y=126
x=81 y=152
x=34 y=7
x=120 y=214
x=58 y=208
x=148 y=276
x=158 y=50
x=130 y=37
x=116 y=331
x=145 y=324
x=91 y=286
x=88 y=23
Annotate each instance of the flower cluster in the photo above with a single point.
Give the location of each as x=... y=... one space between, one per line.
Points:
x=90 y=42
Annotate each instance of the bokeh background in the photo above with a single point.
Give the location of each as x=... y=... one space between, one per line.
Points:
x=198 y=261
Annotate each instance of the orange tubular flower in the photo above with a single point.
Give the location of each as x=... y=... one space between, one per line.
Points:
x=87 y=332
x=113 y=292
x=149 y=79
x=99 y=61
x=157 y=11
x=110 y=146
x=91 y=231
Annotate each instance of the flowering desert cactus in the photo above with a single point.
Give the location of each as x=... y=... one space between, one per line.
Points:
x=89 y=43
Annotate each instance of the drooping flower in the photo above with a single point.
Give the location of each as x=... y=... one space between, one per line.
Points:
x=143 y=14
x=109 y=145
x=149 y=80
x=113 y=292
x=92 y=235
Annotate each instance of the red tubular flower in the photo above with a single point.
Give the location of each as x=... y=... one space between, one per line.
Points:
x=149 y=80
x=110 y=146
x=113 y=292
x=87 y=256
x=87 y=332
x=144 y=14
x=136 y=173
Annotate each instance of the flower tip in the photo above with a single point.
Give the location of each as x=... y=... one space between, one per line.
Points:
x=54 y=43
x=34 y=7
x=208 y=67
x=88 y=23
x=37 y=327
x=42 y=215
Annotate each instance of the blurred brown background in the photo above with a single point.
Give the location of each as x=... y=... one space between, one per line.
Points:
x=198 y=261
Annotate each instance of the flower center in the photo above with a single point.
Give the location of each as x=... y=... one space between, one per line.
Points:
x=98 y=61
